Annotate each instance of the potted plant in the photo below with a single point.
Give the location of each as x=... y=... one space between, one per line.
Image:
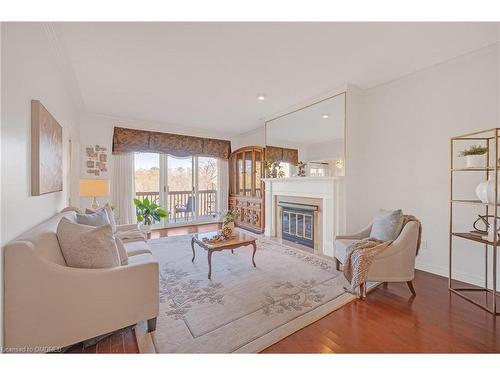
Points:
x=147 y=212
x=228 y=217
x=475 y=156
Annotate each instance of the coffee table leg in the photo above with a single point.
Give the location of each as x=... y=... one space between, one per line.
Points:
x=192 y=247
x=253 y=255
x=232 y=251
x=209 y=264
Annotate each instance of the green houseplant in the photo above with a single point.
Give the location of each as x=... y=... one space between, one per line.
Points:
x=147 y=212
x=228 y=218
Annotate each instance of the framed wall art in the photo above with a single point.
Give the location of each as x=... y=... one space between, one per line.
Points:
x=46 y=151
x=97 y=159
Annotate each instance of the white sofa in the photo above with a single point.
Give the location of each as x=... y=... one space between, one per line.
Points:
x=50 y=305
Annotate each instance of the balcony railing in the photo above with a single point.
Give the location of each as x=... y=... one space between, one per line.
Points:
x=206 y=204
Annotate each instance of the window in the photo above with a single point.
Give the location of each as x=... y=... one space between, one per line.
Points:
x=186 y=187
x=147 y=176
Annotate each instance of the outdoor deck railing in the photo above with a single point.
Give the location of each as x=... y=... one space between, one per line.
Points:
x=205 y=204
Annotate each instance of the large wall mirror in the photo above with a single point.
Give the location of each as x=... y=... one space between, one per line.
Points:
x=314 y=135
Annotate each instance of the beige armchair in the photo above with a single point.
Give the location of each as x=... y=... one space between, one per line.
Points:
x=394 y=264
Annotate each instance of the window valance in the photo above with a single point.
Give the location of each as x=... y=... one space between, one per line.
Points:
x=133 y=140
x=287 y=155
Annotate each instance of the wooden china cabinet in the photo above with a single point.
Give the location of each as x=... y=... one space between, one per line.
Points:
x=246 y=193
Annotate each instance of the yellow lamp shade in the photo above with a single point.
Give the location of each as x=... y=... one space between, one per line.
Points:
x=94 y=188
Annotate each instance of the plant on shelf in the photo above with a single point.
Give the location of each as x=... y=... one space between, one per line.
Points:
x=148 y=212
x=474 y=156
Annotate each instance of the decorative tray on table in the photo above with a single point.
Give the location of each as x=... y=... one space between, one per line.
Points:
x=219 y=237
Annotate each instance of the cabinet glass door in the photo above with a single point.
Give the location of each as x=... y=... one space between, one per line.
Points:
x=258 y=173
x=248 y=173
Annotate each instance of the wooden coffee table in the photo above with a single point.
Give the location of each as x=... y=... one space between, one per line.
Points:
x=241 y=239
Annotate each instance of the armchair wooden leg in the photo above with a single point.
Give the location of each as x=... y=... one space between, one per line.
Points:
x=362 y=291
x=151 y=324
x=410 y=286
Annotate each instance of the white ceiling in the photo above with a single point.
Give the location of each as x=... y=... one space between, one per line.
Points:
x=207 y=75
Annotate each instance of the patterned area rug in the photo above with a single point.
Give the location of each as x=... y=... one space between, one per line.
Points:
x=242 y=309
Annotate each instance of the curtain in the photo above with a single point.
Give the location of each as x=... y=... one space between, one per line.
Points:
x=133 y=140
x=222 y=184
x=287 y=155
x=123 y=188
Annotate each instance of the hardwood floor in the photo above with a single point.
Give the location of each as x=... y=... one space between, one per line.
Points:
x=389 y=320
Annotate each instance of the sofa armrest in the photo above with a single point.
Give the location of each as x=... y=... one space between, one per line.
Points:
x=48 y=304
x=363 y=233
x=126 y=227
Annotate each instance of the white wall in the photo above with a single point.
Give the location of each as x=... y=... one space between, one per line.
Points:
x=29 y=71
x=255 y=137
x=398 y=153
x=98 y=129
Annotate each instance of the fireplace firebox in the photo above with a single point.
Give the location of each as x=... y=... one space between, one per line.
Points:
x=297 y=223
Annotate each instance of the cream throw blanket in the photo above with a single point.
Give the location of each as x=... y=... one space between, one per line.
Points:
x=360 y=255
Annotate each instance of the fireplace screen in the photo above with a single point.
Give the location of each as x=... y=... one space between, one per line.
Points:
x=297 y=224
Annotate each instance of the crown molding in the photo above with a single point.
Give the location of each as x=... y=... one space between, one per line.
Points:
x=63 y=63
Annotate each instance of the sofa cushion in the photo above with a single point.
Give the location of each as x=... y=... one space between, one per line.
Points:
x=109 y=212
x=387 y=225
x=140 y=258
x=341 y=248
x=122 y=252
x=94 y=219
x=137 y=247
x=85 y=246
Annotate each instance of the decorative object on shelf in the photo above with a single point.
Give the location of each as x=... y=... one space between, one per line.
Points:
x=97 y=158
x=94 y=188
x=148 y=212
x=487 y=228
x=485 y=191
x=475 y=156
x=274 y=169
x=46 y=151
x=302 y=169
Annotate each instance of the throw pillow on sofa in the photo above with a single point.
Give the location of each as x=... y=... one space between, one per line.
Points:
x=109 y=212
x=387 y=225
x=122 y=252
x=95 y=219
x=85 y=246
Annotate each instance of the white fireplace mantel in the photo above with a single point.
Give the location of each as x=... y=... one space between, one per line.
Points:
x=329 y=189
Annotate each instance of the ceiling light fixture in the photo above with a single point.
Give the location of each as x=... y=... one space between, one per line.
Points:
x=325 y=115
x=261 y=97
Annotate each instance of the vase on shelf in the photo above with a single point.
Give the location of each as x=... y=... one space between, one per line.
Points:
x=485 y=191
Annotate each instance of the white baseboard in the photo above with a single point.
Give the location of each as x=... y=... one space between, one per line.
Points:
x=442 y=271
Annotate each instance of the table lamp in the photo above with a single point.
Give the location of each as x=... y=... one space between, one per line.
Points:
x=94 y=188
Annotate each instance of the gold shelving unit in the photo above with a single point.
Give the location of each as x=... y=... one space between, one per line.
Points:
x=490 y=139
